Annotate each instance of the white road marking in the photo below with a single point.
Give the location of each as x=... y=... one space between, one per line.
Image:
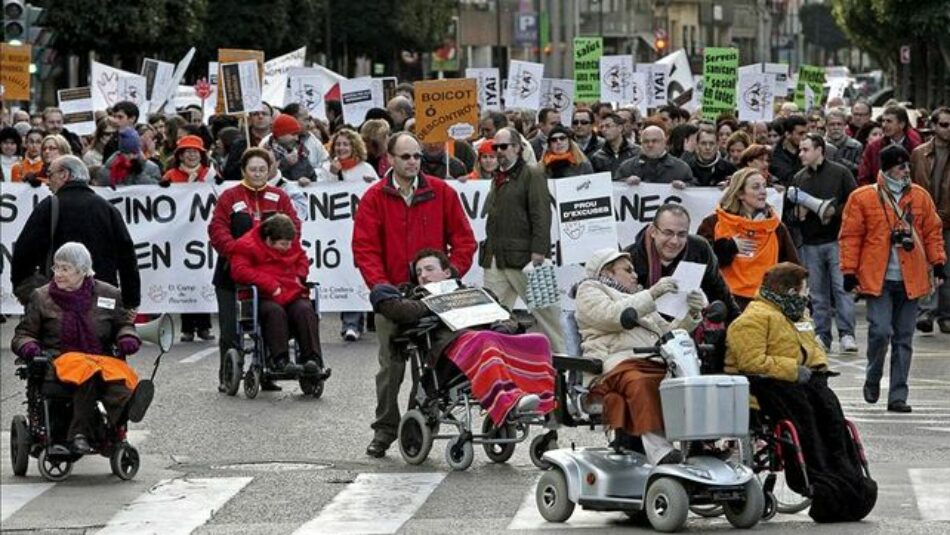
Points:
x=374 y=503
x=14 y=497
x=195 y=357
x=932 y=488
x=175 y=506
x=938 y=429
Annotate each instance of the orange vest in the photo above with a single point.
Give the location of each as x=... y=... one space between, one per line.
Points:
x=744 y=275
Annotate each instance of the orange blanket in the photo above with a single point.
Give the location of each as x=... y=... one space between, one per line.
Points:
x=75 y=367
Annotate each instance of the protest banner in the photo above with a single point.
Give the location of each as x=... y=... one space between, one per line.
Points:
x=15 y=71
x=559 y=94
x=446 y=109
x=524 y=85
x=587 y=52
x=813 y=78
x=105 y=85
x=169 y=227
x=657 y=79
x=585 y=216
x=133 y=88
x=78 y=116
x=680 y=85
x=233 y=55
x=158 y=76
x=356 y=96
x=616 y=80
x=276 y=80
x=240 y=84
x=720 y=75
x=756 y=96
x=489 y=87
x=308 y=91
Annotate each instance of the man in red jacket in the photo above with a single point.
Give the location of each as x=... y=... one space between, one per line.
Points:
x=398 y=216
x=897 y=131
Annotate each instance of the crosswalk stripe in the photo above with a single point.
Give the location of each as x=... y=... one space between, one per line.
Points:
x=932 y=489
x=14 y=497
x=175 y=506
x=374 y=503
x=197 y=356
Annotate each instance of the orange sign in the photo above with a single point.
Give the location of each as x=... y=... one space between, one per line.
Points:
x=446 y=109
x=232 y=55
x=15 y=71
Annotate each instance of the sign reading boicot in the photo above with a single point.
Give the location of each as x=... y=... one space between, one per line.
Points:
x=446 y=109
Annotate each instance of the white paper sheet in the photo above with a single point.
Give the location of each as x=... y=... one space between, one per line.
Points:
x=688 y=277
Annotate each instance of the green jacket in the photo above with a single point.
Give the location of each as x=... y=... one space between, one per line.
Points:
x=519 y=219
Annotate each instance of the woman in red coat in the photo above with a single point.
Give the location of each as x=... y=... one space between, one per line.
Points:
x=271 y=258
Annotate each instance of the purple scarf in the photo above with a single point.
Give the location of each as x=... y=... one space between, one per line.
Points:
x=76 y=331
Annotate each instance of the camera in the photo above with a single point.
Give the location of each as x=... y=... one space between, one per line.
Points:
x=904 y=238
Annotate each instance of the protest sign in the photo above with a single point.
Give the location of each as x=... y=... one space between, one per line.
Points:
x=466 y=307
x=233 y=55
x=308 y=91
x=720 y=66
x=616 y=79
x=240 y=84
x=389 y=84
x=756 y=97
x=177 y=77
x=105 y=85
x=680 y=85
x=158 y=75
x=587 y=52
x=813 y=78
x=78 y=116
x=779 y=72
x=446 y=109
x=274 y=89
x=657 y=80
x=356 y=96
x=585 y=216
x=133 y=88
x=15 y=71
x=559 y=94
x=489 y=87
x=524 y=85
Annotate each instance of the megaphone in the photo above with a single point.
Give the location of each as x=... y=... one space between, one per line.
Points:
x=824 y=208
x=160 y=331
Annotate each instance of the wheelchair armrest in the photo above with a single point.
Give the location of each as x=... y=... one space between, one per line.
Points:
x=581 y=364
x=423 y=326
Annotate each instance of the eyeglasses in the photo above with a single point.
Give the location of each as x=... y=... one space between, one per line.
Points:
x=669 y=234
x=555 y=139
x=501 y=146
x=410 y=156
x=580 y=122
x=944 y=125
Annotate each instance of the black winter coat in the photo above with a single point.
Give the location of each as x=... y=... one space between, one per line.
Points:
x=605 y=160
x=710 y=174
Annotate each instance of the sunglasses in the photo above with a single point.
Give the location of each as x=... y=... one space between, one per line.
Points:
x=580 y=123
x=555 y=139
x=501 y=146
x=944 y=125
x=410 y=156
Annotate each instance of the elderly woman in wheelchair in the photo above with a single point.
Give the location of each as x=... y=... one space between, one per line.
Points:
x=508 y=373
x=774 y=343
x=629 y=384
x=79 y=324
x=270 y=258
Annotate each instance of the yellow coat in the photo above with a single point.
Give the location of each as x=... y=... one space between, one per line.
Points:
x=762 y=341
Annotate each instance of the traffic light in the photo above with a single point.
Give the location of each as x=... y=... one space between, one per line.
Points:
x=14 y=20
x=660 y=45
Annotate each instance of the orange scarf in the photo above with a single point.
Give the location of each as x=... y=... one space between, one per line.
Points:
x=550 y=158
x=744 y=274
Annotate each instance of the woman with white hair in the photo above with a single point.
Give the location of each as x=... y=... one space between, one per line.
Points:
x=82 y=323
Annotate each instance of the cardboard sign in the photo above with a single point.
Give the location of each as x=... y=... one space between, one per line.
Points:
x=587 y=52
x=356 y=96
x=813 y=78
x=489 y=87
x=158 y=75
x=233 y=55
x=240 y=84
x=524 y=85
x=276 y=79
x=446 y=109
x=616 y=79
x=78 y=116
x=720 y=74
x=585 y=216
x=308 y=91
x=756 y=97
x=15 y=71
x=559 y=94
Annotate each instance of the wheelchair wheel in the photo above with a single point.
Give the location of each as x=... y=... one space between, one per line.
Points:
x=252 y=382
x=124 y=461
x=459 y=453
x=19 y=445
x=747 y=512
x=787 y=501
x=667 y=504
x=499 y=453
x=53 y=468
x=232 y=371
x=541 y=444
x=551 y=497
x=311 y=387
x=415 y=437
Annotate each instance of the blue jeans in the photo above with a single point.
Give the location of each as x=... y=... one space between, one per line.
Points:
x=938 y=304
x=892 y=318
x=825 y=279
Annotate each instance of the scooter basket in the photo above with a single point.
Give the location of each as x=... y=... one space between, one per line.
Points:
x=705 y=407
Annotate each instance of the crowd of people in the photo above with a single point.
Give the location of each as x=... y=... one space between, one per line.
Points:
x=865 y=211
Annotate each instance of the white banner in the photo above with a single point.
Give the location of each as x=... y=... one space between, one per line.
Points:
x=357 y=98
x=585 y=216
x=489 y=87
x=177 y=77
x=658 y=78
x=681 y=85
x=133 y=88
x=275 y=76
x=559 y=94
x=524 y=85
x=308 y=91
x=755 y=92
x=105 y=85
x=616 y=79
x=169 y=227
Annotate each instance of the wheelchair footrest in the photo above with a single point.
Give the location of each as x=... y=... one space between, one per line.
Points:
x=581 y=364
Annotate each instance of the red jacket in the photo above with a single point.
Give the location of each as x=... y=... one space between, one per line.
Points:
x=178 y=176
x=871 y=160
x=387 y=233
x=255 y=262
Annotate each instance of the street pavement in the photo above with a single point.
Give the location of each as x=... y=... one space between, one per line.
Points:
x=283 y=463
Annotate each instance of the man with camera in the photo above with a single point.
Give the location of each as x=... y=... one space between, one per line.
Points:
x=892 y=252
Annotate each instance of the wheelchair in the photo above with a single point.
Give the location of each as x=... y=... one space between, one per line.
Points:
x=436 y=400
x=251 y=342
x=41 y=433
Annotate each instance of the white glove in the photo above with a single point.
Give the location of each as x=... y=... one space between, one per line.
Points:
x=696 y=300
x=663 y=286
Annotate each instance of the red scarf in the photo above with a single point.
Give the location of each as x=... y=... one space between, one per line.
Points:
x=348 y=163
x=122 y=168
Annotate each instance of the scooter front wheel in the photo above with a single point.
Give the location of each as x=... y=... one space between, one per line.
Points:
x=551 y=496
x=667 y=505
x=747 y=512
